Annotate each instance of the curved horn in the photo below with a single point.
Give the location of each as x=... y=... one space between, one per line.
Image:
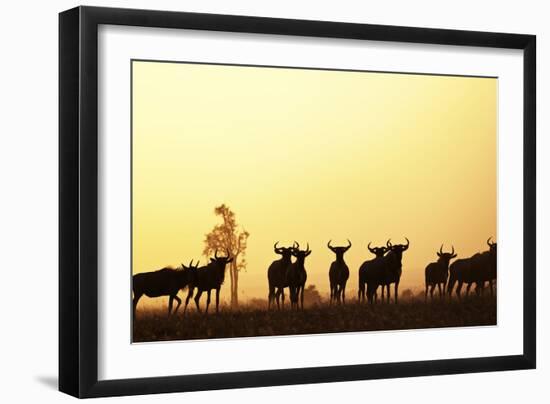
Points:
x=370 y=249
x=388 y=243
x=408 y=243
x=441 y=249
x=191 y=264
x=307 y=248
x=297 y=245
x=329 y=246
x=453 y=248
x=489 y=242
x=276 y=249
x=216 y=254
x=349 y=245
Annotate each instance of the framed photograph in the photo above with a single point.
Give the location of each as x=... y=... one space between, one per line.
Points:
x=249 y=201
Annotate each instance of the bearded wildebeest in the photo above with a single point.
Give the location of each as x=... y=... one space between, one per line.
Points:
x=164 y=282
x=276 y=275
x=371 y=272
x=477 y=269
x=338 y=273
x=438 y=272
x=296 y=276
x=210 y=277
x=393 y=266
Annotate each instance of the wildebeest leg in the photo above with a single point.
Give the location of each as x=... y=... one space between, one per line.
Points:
x=331 y=294
x=388 y=292
x=426 y=293
x=396 y=288
x=270 y=296
x=177 y=299
x=480 y=286
x=217 y=299
x=170 y=301
x=302 y=296
x=197 y=299
x=283 y=298
x=468 y=289
x=207 y=300
x=491 y=288
x=189 y=296
x=344 y=293
x=459 y=288
x=136 y=300
x=276 y=298
x=432 y=287
x=450 y=286
x=439 y=289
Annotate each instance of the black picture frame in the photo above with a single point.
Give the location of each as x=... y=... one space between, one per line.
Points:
x=78 y=200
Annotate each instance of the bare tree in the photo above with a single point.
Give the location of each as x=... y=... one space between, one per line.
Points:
x=228 y=237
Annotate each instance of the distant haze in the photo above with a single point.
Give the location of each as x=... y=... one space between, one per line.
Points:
x=311 y=155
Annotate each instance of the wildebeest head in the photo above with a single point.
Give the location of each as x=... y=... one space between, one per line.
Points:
x=339 y=251
x=492 y=246
x=397 y=248
x=222 y=261
x=285 y=252
x=300 y=254
x=445 y=256
x=378 y=251
x=190 y=271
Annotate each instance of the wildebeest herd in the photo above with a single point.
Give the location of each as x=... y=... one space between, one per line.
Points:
x=380 y=272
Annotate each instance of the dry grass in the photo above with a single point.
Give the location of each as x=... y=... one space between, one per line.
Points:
x=247 y=321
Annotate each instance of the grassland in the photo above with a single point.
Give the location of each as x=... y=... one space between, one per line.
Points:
x=254 y=320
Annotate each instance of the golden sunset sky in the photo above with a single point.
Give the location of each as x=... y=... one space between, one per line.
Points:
x=311 y=155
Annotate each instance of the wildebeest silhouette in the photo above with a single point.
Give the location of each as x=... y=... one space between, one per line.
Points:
x=338 y=273
x=164 y=282
x=296 y=276
x=372 y=272
x=437 y=273
x=393 y=267
x=488 y=268
x=210 y=277
x=477 y=269
x=276 y=275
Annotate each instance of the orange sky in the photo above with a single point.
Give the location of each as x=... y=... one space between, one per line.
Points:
x=311 y=155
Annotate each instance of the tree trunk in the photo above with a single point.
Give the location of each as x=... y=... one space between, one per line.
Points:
x=234 y=285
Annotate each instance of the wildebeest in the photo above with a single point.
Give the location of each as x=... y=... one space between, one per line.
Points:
x=372 y=272
x=276 y=275
x=296 y=276
x=210 y=277
x=393 y=266
x=338 y=273
x=477 y=269
x=488 y=268
x=437 y=273
x=164 y=282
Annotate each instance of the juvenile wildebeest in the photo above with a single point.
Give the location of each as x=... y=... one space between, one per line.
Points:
x=393 y=267
x=477 y=269
x=276 y=275
x=164 y=282
x=338 y=273
x=296 y=276
x=372 y=272
x=210 y=277
x=438 y=272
